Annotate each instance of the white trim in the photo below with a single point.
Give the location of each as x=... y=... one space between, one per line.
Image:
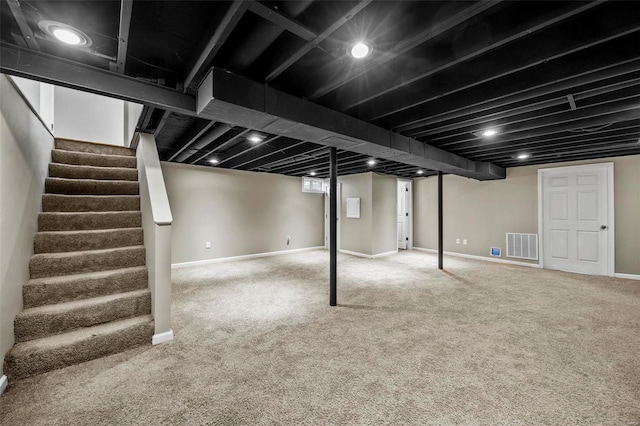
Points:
x=246 y=256
x=369 y=256
x=611 y=258
x=3 y=383
x=627 y=276
x=167 y=336
x=487 y=259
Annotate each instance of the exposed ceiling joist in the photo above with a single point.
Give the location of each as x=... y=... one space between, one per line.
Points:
x=126 y=7
x=50 y=69
x=220 y=32
x=25 y=29
x=219 y=146
x=261 y=152
x=234 y=99
x=243 y=148
x=281 y=20
x=406 y=45
x=192 y=135
x=263 y=159
x=162 y=123
x=294 y=57
x=213 y=133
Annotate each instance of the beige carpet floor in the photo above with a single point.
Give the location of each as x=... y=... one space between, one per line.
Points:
x=256 y=343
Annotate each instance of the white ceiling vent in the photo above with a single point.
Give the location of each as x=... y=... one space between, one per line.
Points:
x=522 y=246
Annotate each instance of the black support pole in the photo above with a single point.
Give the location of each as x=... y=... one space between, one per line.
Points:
x=333 y=227
x=440 y=246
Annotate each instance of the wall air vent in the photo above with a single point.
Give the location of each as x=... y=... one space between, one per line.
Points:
x=522 y=246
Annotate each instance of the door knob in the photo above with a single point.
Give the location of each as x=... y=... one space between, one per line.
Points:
x=603 y=227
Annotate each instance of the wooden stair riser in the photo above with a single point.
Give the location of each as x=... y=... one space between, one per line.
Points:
x=58 y=264
x=52 y=290
x=55 y=319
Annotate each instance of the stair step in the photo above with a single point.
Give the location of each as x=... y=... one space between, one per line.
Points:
x=90 y=187
x=70 y=221
x=66 y=288
x=93 y=147
x=89 y=159
x=89 y=203
x=62 y=350
x=70 y=171
x=66 y=241
x=77 y=262
x=43 y=321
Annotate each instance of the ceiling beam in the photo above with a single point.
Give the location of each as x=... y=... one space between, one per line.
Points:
x=281 y=20
x=294 y=57
x=190 y=136
x=22 y=62
x=220 y=33
x=413 y=98
x=243 y=148
x=126 y=7
x=406 y=45
x=222 y=144
x=528 y=94
x=265 y=150
x=162 y=123
x=514 y=35
x=315 y=162
x=23 y=25
x=277 y=155
x=631 y=148
x=233 y=99
x=215 y=132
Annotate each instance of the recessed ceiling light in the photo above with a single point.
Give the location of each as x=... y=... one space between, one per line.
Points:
x=420 y=172
x=214 y=161
x=489 y=132
x=360 y=50
x=312 y=173
x=64 y=33
x=255 y=138
x=371 y=162
x=522 y=156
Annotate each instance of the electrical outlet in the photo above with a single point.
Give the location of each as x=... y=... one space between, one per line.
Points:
x=207 y=245
x=288 y=239
x=464 y=242
x=457 y=240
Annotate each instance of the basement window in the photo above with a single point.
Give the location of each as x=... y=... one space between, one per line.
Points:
x=312 y=185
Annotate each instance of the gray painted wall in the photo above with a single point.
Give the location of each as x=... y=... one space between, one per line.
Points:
x=483 y=212
x=375 y=231
x=25 y=152
x=239 y=212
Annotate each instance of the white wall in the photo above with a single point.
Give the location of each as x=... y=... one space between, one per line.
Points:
x=239 y=212
x=25 y=152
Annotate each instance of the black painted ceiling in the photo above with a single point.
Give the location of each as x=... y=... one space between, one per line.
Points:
x=557 y=79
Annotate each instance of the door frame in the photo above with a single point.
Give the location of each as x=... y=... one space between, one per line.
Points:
x=409 y=210
x=611 y=243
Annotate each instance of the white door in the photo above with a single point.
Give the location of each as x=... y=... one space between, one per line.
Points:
x=326 y=215
x=577 y=216
x=403 y=214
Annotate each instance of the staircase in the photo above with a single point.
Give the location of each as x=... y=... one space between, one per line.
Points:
x=88 y=294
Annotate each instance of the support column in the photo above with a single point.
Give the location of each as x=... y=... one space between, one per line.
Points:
x=333 y=227
x=440 y=221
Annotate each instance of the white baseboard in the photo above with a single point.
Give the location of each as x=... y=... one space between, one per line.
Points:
x=368 y=256
x=627 y=276
x=167 y=336
x=246 y=256
x=487 y=259
x=3 y=383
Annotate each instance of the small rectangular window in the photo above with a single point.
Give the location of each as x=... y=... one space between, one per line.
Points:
x=312 y=185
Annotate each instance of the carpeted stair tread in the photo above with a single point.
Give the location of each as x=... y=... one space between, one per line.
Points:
x=70 y=171
x=77 y=262
x=47 y=320
x=89 y=203
x=66 y=241
x=93 y=147
x=66 y=288
x=89 y=159
x=62 y=350
x=72 y=221
x=90 y=187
